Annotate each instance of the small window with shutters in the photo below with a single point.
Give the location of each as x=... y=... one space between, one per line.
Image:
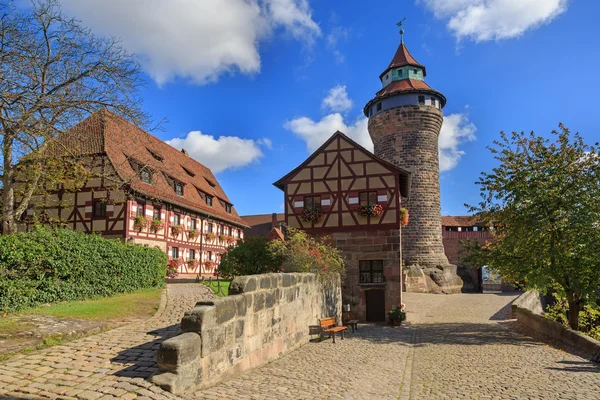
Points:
x=140 y=212
x=176 y=219
x=368 y=198
x=157 y=214
x=175 y=252
x=191 y=254
x=99 y=209
x=311 y=202
x=193 y=224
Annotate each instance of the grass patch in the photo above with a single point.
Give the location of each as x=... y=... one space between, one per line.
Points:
x=140 y=304
x=215 y=287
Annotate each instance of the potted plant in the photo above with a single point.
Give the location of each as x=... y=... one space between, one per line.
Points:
x=210 y=236
x=231 y=239
x=397 y=315
x=403 y=216
x=222 y=237
x=176 y=230
x=191 y=264
x=209 y=264
x=172 y=269
x=140 y=222
x=311 y=214
x=373 y=210
x=192 y=234
x=156 y=225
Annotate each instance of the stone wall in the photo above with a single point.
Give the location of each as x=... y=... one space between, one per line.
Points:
x=407 y=136
x=370 y=245
x=263 y=318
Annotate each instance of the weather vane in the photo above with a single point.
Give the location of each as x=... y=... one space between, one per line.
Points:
x=399 y=25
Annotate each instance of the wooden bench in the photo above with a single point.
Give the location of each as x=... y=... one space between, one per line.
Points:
x=328 y=326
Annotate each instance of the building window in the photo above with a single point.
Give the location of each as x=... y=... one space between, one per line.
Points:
x=210 y=183
x=378 y=106
x=193 y=224
x=209 y=255
x=191 y=254
x=416 y=71
x=371 y=271
x=140 y=210
x=146 y=176
x=176 y=219
x=175 y=253
x=209 y=200
x=421 y=99
x=99 y=209
x=187 y=171
x=178 y=186
x=228 y=208
x=311 y=202
x=399 y=72
x=157 y=214
x=368 y=198
x=211 y=228
x=239 y=233
x=386 y=77
x=154 y=155
x=433 y=101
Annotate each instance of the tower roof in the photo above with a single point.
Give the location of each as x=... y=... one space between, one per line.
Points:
x=403 y=58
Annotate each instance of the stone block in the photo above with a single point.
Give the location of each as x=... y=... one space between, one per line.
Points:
x=265 y=282
x=259 y=301
x=269 y=299
x=241 y=303
x=179 y=350
x=243 y=284
x=213 y=340
x=194 y=319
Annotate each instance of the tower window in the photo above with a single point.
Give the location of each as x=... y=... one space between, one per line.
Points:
x=378 y=106
x=387 y=76
x=399 y=72
x=421 y=99
x=416 y=71
x=433 y=101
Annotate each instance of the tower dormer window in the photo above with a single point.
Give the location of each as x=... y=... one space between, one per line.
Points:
x=421 y=99
x=378 y=106
x=399 y=72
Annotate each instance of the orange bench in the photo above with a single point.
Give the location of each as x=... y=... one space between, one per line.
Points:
x=328 y=326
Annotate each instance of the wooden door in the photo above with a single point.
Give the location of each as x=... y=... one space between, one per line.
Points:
x=375 y=305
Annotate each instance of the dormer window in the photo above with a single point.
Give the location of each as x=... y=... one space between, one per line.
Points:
x=378 y=106
x=211 y=184
x=421 y=99
x=178 y=187
x=187 y=171
x=154 y=155
x=228 y=208
x=209 y=200
x=399 y=72
x=416 y=71
x=146 y=176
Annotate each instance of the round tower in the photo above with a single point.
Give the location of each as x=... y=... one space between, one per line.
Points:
x=405 y=119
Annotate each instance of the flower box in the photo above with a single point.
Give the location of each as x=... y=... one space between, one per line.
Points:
x=176 y=230
x=222 y=238
x=140 y=222
x=156 y=225
x=403 y=216
x=192 y=233
x=210 y=236
x=373 y=210
x=311 y=214
x=172 y=269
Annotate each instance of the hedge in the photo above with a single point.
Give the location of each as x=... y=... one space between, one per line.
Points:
x=49 y=265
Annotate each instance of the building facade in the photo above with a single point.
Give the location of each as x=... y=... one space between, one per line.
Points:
x=141 y=190
x=405 y=119
x=343 y=191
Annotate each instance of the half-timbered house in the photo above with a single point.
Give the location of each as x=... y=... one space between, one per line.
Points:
x=144 y=191
x=344 y=191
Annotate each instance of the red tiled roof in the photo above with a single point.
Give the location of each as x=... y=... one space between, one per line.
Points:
x=463 y=220
x=405 y=85
x=105 y=132
x=403 y=58
x=276 y=234
x=258 y=219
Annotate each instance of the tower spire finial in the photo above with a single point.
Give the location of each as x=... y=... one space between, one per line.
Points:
x=399 y=25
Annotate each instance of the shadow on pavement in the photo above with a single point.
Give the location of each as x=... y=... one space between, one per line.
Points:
x=577 y=366
x=141 y=359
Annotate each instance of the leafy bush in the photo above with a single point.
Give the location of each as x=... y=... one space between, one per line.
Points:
x=251 y=256
x=589 y=317
x=50 y=265
x=304 y=253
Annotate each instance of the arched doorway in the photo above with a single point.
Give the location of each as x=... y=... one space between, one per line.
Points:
x=375 y=306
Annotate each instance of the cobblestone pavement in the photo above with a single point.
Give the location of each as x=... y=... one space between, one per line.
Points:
x=459 y=347
x=109 y=365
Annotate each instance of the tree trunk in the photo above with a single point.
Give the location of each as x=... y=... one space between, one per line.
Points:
x=575 y=305
x=8 y=193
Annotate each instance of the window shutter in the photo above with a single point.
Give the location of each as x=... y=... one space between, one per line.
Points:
x=110 y=210
x=325 y=202
x=149 y=211
x=353 y=200
x=382 y=196
x=298 y=204
x=89 y=209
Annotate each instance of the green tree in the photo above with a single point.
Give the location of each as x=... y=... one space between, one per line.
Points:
x=53 y=73
x=302 y=252
x=249 y=257
x=543 y=201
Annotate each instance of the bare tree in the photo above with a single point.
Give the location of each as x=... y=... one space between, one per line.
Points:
x=54 y=72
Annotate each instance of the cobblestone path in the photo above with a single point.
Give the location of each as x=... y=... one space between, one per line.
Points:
x=459 y=347
x=108 y=365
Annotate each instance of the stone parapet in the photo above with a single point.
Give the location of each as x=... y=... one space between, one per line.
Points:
x=263 y=318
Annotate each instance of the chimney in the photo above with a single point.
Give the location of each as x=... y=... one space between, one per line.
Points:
x=184 y=151
x=274 y=220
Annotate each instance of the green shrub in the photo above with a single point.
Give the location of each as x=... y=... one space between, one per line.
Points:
x=589 y=317
x=251 y=256
x=50 y=265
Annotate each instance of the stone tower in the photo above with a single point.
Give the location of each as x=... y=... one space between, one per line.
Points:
x=405 y=119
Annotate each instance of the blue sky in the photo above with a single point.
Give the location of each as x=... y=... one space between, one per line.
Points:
x=242 y=83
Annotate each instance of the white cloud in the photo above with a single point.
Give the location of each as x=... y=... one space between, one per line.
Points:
x=337 y=100
x=482 y=20
x=265 y=142
x=196 y=40
x=337 y=34
x=316 y=133
x=456 y=130
x=220 y=154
